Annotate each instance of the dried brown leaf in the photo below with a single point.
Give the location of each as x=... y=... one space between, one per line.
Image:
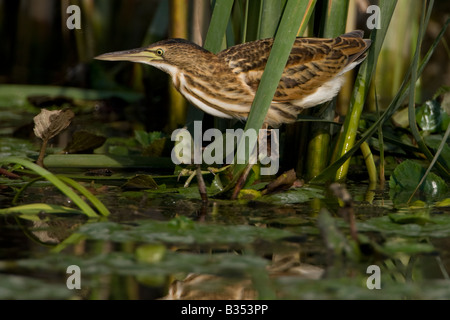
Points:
x=283 y=182
x=48 y=124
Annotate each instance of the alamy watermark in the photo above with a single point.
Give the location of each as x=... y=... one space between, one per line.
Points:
x=74 y=280
x=74 y=20
x=374 y=280
x=374 y=21
x=188 y=149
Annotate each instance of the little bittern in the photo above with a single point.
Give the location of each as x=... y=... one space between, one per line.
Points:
x=224 y=84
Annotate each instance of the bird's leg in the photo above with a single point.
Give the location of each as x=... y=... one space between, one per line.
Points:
x=240 y=183
x=201 y=185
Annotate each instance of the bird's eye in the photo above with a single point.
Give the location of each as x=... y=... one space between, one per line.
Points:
x=159 y=52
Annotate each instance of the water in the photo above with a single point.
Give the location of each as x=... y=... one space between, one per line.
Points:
x=167 y=246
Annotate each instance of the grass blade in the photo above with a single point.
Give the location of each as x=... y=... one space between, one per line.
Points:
x=270 y=17
x=218 y=26
x=335 y=19
x=367 y=69
x=36 y=208
x=55 y=181
x=286 y=34
x=97 y=203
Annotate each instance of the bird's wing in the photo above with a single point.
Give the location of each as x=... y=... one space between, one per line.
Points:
x=312 y=62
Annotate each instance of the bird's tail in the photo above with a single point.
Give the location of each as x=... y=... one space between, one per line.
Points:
x=353 y=45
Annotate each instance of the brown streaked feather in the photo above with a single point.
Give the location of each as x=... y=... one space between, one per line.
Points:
x=311 y=63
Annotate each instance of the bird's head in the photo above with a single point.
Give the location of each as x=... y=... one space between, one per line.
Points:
x=166 y=55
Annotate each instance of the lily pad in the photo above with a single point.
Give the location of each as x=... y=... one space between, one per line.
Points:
x=147 y=138
x=84 y=142
x=429 y=116
x=25 y=288
x=16 y=147
x=355 y=288
x=127 y=264
x=153 y=142
x=150 y=253
x=405 y=179
x=293 y=196
x=141 y=181
x=409 y=247
x=438 y=229
x=180 y=232
x=410 y=218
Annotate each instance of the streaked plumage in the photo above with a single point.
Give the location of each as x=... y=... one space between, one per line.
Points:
x=225 y=84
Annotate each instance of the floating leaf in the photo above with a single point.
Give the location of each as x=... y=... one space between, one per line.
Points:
x=288 y=197
x=127 y=264
x=150 y=253
x=249 y=194
x=152 y=142
x=141 y=181
x=400 y=245
x=16 y=147
x=27 y=288
x=405 y=179
x=298 y=195
x=354 y=288
x=84 y=142
x=443 y=203
x=146 y=138
x=419 y=219
x=180 y=230
x=156 y=148
x=288 y=221
x=283 y=182
x=438 y=229
x=429 y=116
x=181 y=223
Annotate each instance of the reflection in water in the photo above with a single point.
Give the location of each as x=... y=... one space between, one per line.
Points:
x=211 y=287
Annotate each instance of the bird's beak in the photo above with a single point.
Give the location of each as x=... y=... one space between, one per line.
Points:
x=142 y=55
